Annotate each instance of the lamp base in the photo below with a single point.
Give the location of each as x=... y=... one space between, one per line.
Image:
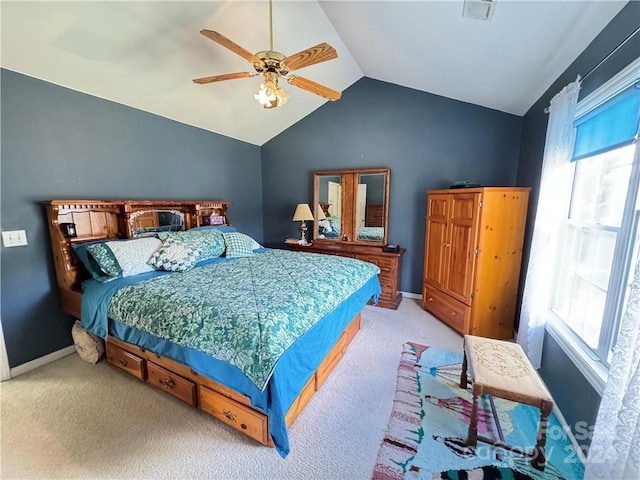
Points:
x=303 y=233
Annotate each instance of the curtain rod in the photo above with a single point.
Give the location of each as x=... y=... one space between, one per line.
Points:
x=607 y=56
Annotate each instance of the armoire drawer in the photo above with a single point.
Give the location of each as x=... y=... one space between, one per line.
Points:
x=232 y=413
x=126 y=361
x=454 y=313
x=179 y=387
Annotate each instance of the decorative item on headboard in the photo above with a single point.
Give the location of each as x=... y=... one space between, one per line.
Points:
x=68 y=229
x=217 y=219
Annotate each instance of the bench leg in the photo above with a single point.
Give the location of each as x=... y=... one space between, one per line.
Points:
x=472 y=436
x=463 y=375
x=539 y=461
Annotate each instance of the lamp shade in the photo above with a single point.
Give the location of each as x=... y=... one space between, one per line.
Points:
x=303 y=212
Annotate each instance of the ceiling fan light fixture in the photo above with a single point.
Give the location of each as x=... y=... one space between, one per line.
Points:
x=478 y=9
x=270 y=94
x=273 y=65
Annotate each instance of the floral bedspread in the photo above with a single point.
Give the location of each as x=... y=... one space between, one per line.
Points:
x=245 y=311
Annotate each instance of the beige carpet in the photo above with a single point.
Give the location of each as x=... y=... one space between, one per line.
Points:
x=71 y=419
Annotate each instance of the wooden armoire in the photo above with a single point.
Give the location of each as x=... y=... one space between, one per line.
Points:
x=473 y=252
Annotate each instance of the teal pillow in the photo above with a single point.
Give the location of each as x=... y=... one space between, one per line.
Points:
x=238 y=245
x=104 y=256
x=174 y=256
x=90 y=263
x=209 y=243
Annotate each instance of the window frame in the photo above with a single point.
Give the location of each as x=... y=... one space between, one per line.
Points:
x=591 y=364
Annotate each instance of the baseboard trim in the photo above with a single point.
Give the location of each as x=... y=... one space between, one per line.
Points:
x=570 y=436
x=412 y=295
x=39 y=362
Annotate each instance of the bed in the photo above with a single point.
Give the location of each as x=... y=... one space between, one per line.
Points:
x=247 y=336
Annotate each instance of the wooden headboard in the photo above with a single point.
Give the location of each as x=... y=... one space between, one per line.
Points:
x=97 y=220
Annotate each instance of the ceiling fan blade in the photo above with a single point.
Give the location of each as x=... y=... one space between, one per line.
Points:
x=314 y=87
x=226 y=76
x=231 y=45
x=320 y=53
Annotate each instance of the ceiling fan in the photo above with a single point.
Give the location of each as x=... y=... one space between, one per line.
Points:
x=273 y=65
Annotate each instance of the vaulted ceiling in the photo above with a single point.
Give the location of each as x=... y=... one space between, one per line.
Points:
x=145 y=54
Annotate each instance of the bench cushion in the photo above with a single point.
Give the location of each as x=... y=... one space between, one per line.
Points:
x=501 y=368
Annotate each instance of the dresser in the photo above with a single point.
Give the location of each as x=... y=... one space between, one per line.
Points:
x=390 y=265
x=473 y=252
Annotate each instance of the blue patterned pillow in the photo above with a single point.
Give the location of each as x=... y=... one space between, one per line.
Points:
x=174 y=256
x=209 y=242
x=238 y=245
x=88 y=261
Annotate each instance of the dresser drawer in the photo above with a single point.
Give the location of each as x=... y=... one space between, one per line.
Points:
x=385 y=264
x=126 y=361
x=387 y=283
x=232 y=413
x=171 y=383
x=451 y=311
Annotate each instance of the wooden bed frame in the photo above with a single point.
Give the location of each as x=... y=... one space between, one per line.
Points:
x=97 y=220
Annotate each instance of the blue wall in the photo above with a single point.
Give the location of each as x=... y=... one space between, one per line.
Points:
x=577 y=399
x=426 y=140
x=58 y=144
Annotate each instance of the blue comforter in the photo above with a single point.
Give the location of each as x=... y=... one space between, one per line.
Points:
x=318 y=297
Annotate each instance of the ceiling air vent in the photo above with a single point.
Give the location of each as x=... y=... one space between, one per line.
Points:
x=479 y=9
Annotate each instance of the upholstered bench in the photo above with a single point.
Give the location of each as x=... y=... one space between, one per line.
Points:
x=501 y=369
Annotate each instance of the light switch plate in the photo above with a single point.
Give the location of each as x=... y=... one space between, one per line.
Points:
x=14 y=238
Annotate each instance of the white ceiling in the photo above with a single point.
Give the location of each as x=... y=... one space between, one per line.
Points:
x=145 y=54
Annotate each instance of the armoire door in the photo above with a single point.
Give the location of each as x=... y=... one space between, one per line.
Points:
x=463 y=222
x=436 y=240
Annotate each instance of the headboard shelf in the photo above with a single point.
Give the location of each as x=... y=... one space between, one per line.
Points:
x=96 y=220
x=91 y=238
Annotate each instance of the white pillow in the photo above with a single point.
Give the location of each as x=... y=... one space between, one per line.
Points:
x=133 y=255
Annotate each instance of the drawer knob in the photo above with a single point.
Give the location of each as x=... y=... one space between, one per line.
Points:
x=243 y=426
x=229 y=414
x=431 y=299
x=168 y=383
x=453 y=314
x=123 y=362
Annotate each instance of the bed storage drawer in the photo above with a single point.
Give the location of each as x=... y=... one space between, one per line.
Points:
x=336 y=353
x=171 y=383
x=240 y=417
x=126 y=361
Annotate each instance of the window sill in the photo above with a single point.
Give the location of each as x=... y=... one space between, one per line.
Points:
x=595 y=372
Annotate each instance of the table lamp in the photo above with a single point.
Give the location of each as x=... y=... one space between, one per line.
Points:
x=303 y=214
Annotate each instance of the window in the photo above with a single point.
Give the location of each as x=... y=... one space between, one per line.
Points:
x=599 y=241
x=588 y=243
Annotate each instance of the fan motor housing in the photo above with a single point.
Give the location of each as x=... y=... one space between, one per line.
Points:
x=271 y=61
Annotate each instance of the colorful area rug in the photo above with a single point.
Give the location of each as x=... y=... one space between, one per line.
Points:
x=427 y=431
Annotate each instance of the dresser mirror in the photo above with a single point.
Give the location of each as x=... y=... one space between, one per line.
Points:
x=147 y=222
x=351 y=205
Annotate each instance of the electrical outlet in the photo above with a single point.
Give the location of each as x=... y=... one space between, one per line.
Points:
x=14 y=238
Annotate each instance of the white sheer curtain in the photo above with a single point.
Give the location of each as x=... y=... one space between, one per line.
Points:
x=615 y=446
x=553 y=201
